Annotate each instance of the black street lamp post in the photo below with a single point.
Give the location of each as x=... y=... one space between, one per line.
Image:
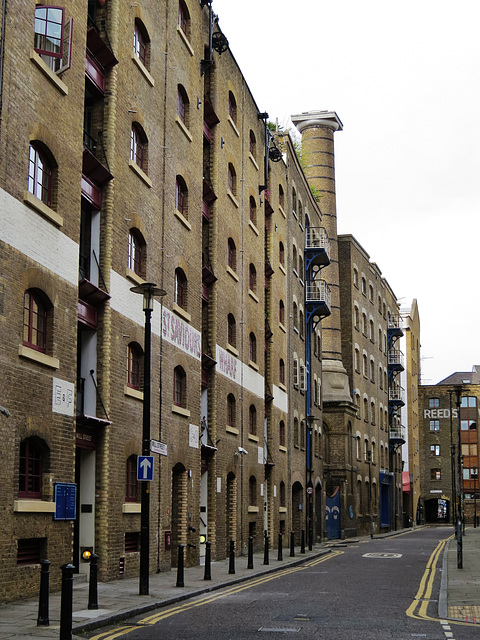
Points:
x=475 y=476
x=149 y=291
x=458 y=396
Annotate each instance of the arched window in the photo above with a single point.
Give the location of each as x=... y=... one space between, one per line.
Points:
x=282 y=434
x=179 y=387
x=252 y=347
x=296 y=432
x=295 y=315
x=357 y=360
x=294 y=202
x=281 y=196
x=253 y=210
x=183 y=17
x=181 y=196
x=140 y=42
x=183 y=105
x=300 y=212
x=372 y=411
x=252 y=491
x=231 y=330
x=232 y=255
x=252 y=278
x=35 y=309
x=365 y=409
x=253 y=144
x=136 y=252
x=181 y=290
x=131 y=487
x=281 y=253
x=231 y=410
x=138 y=146
x=31 y=469
x=232 y=107
x=281 y=371
x=301 y=322
x=232 y=178
x=39 y=175
x=134 y=366
x=252 y=420
x=294 y=259
x=355 y=278
x=281 y=312
x=356 y=318
x=302 y=434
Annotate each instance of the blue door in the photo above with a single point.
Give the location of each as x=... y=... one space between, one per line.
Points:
x=332 y=515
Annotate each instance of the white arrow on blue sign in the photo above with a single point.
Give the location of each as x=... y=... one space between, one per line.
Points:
x=145 y=468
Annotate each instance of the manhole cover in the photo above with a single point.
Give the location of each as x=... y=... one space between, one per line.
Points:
x=382 y=555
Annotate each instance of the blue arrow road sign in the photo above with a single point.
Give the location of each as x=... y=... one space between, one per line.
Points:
x=145 y=468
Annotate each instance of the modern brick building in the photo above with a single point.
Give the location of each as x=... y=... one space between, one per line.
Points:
x=449 y=442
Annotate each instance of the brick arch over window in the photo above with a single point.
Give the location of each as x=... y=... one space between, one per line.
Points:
x=179 y=387
x=181 y=288
x=135 y=366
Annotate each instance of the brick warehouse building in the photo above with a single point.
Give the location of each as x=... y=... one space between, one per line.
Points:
x=159 y=168
x=154 y=171
x=444 y=424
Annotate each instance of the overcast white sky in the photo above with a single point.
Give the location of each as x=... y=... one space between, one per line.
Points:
x=404 y=80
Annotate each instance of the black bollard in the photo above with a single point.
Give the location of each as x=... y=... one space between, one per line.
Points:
x=280 y=546
x=66 y=606
x=292 y=544
x=266 y=559
x=208 y=560
x=180 y=571
x=93 y=584
x=231 y=567
x=43 y=619
x=250 y=553
x=302 y=548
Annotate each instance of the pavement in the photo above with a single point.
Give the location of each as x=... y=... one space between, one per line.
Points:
x=119 y=599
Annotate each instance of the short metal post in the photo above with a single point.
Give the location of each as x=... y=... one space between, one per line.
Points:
x=93 y=584
x=43 y=619
x=66 y=605
x=250 y=553
x=266 y=559
x=280 y=546
x=292 y=544
x=208 y=559
x=180 y=572
x=231 y=567
x=302 y=548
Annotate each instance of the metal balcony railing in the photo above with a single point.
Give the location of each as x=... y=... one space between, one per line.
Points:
x=317 y=238
x=396 y=393
x=395 y=322
x=396 y=358
x=397 y=432
x=317 y=291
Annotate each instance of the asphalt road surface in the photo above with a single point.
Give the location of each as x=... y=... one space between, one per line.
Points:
x=368 y=590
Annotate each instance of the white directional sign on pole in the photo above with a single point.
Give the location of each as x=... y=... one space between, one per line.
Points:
x=145 y=468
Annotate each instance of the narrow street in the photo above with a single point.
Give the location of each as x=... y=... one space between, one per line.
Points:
x=381 y=588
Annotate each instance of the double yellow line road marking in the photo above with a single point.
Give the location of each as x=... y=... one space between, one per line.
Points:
x=211 y=597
